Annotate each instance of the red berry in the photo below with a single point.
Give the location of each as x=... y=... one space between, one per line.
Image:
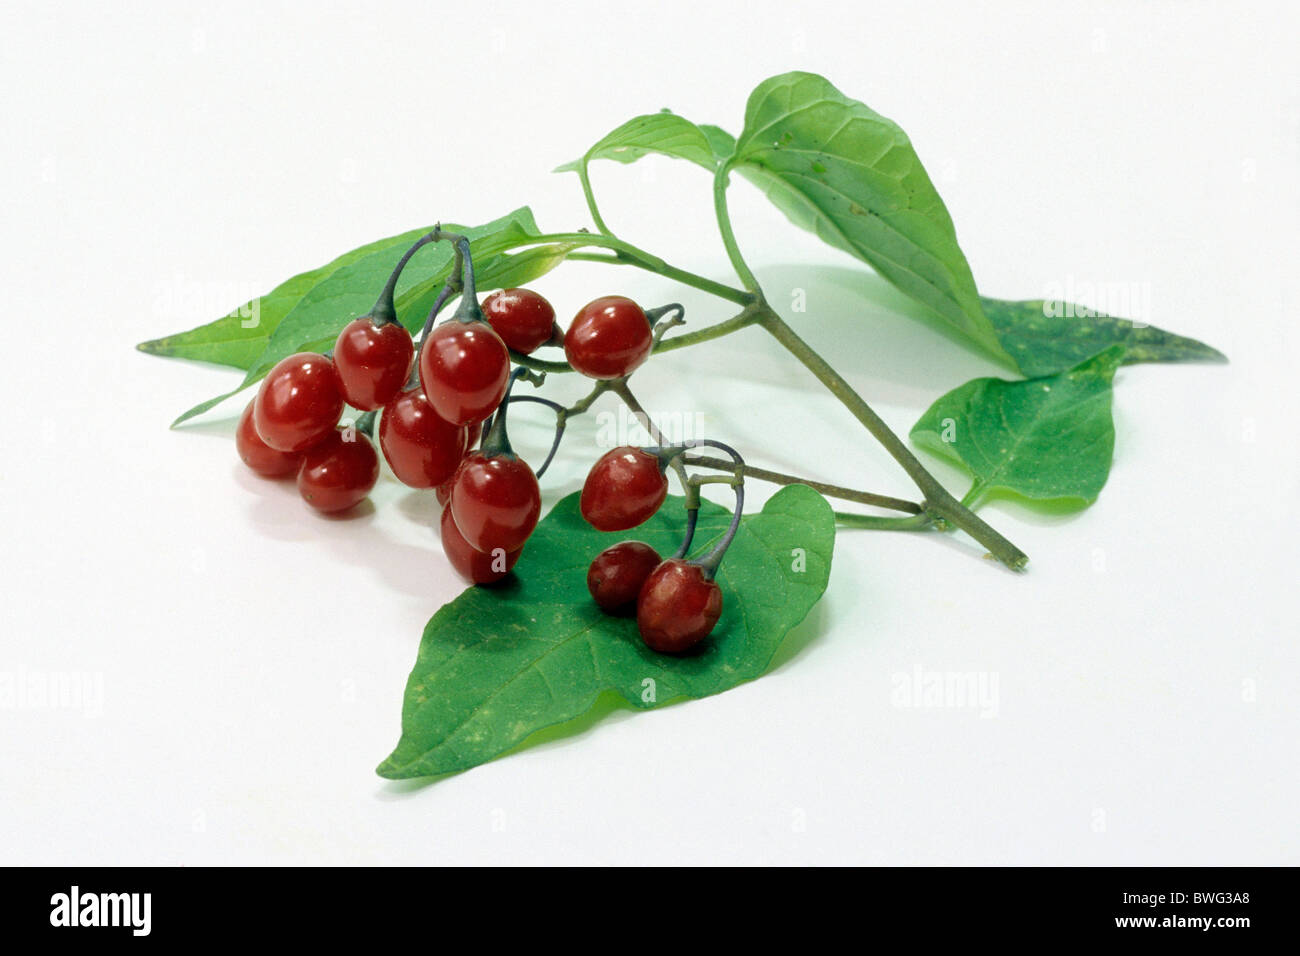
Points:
x=299 y=402
x=609 y=338
x=260 y=456
x=337 y=473
x=422 y=448
x=617 y=574
x=464 y=367
x=495 y=501
x=443 y=491
x=523 y=319
x=623 y=489
x=374 y=362
x=474 y=566
x=677 y=607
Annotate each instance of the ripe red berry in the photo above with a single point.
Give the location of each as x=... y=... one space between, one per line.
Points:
x=475 y=566
x=258 y=455
x=338 y=473
x=443 y=491
x=617 y=574
x=464 y=368
x=421 y=447
x=496 y=501
x=298 y=403
x=523 y=319
x=374 y=362
x=623 y=489
x=609 y=338
x=677 y=607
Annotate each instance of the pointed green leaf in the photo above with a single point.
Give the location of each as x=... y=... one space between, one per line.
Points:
x=1046 y=337
x=498 y=664
x=665 y=133
x=844 y=172
x=1042 y=438
x=239 y=338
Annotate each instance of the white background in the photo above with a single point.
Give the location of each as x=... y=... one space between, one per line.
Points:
x=160 y=165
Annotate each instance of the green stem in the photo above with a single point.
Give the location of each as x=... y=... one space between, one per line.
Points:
x=912 y=523
x=830 y=491
x=938 y=502
x=738 y=263
x=591 y=200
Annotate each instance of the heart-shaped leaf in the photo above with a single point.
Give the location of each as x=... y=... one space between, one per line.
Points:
x=1044 y=338
x=498 y=664
x=844 y=172
x=1042 y=438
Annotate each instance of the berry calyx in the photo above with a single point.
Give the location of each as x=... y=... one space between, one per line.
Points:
x=258 y=455
x=338 y=472
x=524 y=320
x=421 y=447
x=623 y=489
x=609 y=338
x=464 y=369
x=475 y=566
x=678 y=606
x=617 y=574
x=298 y=403
x=374 y=361
x=495 y=501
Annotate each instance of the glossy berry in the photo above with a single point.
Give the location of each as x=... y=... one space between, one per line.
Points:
x=258 y=455
x=617 y=574
x=421 y=447
x=677 y=606
x=475 y=566
x=623 y=489
x=495 y=501
x=523 y=319
x=609 y=338
x=464 y=367
x=299 y=402
x=443 y=491
x=338 y=473
x=373 y=361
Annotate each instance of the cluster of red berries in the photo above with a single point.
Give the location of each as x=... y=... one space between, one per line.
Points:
x=441 y=411
x=676 y=601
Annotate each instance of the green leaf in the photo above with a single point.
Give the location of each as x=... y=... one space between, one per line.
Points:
x=721 y=142
x=844 y=172
x=327 y=299
x=1042 y=438
x=238 y=338
x=665 y=133
x=1046 y=337
x=498 y=664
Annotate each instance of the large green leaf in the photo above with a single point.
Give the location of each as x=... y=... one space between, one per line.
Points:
x=237 y=339
x=498 y=664
x=665 y=133
x=331 y=297
x=1047 y=337
x=844 y=172
x=1043 y=438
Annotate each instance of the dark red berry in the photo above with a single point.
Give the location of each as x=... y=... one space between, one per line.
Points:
x=374 y=362
x=496 y=501
x=617 y=574
x=258 y=455
x=464 y=367
x=298 y=403
x=475 y=566
x=443 y=491
x=623 y=489
x=609 y=338
x=421 y=447
x=677 y=607
x=338 y=472
x=523 y=319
